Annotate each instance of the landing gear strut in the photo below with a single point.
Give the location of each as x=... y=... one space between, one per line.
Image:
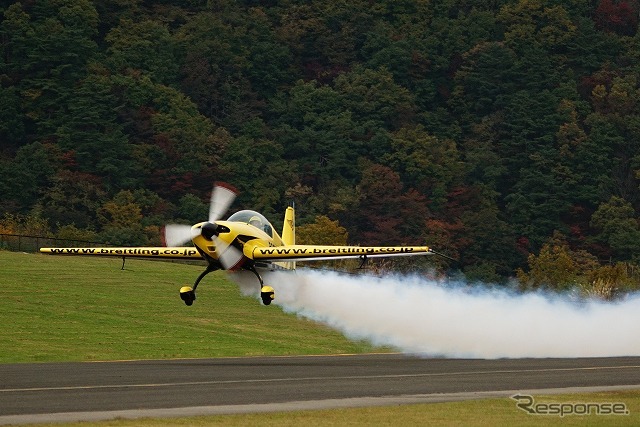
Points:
x=187 y=293
x=267 y=294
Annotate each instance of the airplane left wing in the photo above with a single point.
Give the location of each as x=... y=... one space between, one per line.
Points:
x=318 y=253
x=142 y=252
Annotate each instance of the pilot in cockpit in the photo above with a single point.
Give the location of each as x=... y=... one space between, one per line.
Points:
x=256 y=222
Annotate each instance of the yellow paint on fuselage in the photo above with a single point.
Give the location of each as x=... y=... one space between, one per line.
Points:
x=250 y=237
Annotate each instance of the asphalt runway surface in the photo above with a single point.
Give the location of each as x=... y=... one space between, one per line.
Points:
x=48 y=392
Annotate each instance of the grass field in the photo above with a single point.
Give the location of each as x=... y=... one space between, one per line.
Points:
x=82 y=308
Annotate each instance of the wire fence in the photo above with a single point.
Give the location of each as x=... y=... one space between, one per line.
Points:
x=26 y=243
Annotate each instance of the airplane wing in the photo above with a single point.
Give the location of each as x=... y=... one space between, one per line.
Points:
x=138 y=252
x=318 y=253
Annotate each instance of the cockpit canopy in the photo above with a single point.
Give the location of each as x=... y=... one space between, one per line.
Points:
x=253 y=218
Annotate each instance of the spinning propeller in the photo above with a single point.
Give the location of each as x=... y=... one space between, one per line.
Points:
x=178 y=234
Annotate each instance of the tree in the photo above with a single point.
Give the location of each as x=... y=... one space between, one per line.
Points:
x=174 y=143
x=269 y=67
x=616 y=226
x=324 y=37
x=616 y=123
x=553 y=268
x=222 y=50
x=485 y=80
x=319 y=133
x=376 y=101
x=487 y=242
x=538 y=202
x=62 y=33
x=24 y=179
x=426 y=163
x=593 y=161
x=31 y=225
x=384 y=49
x=558 y=267
x=192 y=209
x=143 y=47
x=12 y=121
x=93 y=133
x=620 y=17
x=71 y=232
x=72 y=198
x=121 y=212
x=452 y=32
x=534 y=22
x=387 y=213
x=121 y=220
x=48 y=45
x=323 y=231
x=263 y=188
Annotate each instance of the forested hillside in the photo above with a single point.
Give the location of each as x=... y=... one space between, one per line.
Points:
x=503 y=133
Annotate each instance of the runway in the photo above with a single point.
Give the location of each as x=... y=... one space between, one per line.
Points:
x=130 y=389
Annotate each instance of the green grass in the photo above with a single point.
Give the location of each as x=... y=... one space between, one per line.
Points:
x=489 y=412
x=82 y=308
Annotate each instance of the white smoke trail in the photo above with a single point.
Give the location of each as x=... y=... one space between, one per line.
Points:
x=419 y=316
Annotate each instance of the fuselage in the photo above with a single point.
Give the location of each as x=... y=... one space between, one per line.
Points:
x=244 y=230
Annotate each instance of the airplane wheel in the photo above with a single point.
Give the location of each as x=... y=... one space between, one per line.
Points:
x=187 y=295
x=267 y=294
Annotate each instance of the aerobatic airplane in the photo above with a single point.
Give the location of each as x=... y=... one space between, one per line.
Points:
x=245 y=241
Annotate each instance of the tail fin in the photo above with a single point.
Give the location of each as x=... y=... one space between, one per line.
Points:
x=289 y=233
x=289 y=227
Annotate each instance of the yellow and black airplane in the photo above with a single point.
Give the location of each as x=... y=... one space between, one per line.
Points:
x=246 y=240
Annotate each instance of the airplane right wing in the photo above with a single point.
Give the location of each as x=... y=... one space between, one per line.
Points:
x=319 y=253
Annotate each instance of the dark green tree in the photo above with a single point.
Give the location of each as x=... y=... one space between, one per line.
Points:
x=72 y=198
x=94 y=136
x=143 y=47
x=48 y=44
x=260 y=172
x=23 y=180
x=617 y=227
x=428 y=164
